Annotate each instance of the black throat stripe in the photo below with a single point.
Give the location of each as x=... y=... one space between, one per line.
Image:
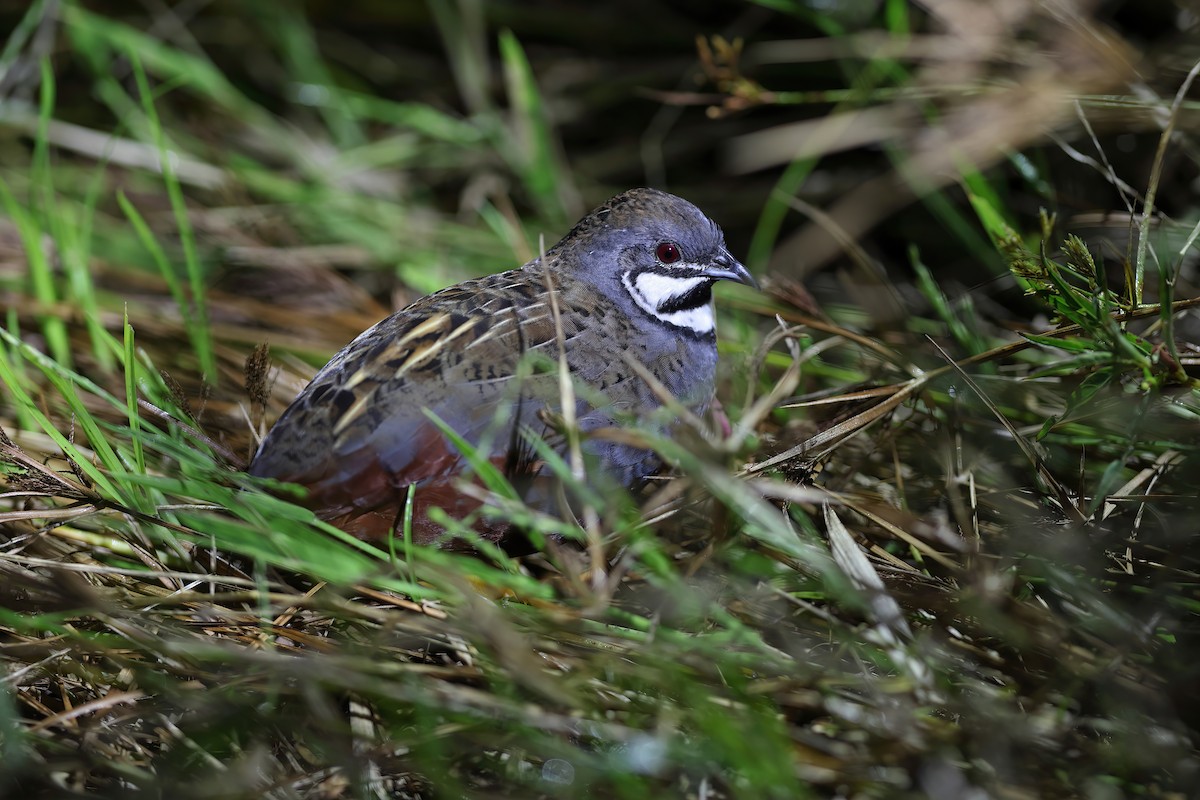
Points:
x=697 y=296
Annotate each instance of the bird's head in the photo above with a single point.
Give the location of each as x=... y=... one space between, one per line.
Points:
x=656 y=249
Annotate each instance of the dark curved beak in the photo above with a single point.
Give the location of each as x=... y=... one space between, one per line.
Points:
x=727 y=268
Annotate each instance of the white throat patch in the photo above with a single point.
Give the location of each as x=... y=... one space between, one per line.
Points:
x=650 y=290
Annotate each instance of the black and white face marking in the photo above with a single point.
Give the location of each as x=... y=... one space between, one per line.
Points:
x=681 y=297
x=679 y=292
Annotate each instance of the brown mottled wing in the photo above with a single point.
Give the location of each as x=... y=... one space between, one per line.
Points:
x=358 y=434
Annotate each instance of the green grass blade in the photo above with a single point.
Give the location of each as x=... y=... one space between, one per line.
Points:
x=131 y=398
x=157 y=254
x=967 y=338
x=489 y=474
x=532 y=149
x=96 y=440
x=96 y=34
x=42 y=283
x=197 y=313
x=303 y=60
x=21 y=34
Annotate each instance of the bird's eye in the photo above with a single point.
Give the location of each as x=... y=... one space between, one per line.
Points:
x=668 y=252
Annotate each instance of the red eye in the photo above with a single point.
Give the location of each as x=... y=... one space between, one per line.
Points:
x=668 y=252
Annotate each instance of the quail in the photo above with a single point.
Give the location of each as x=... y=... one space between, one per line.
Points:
x=632 y=281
